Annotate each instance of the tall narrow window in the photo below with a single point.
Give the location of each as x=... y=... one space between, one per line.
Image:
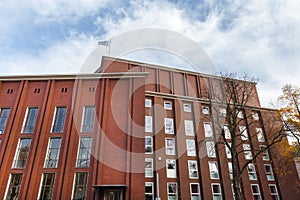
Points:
x=170 y=146
x=189 y=127
x=46 y=187
x=52 y=153
x=195 y=191
x=247 y=151
x=172 y=191
x=265 y=154
x=213 y=169
x=88 y=119
x=148 y=124
x=22 y=153
x=223 y=112
x=269 y=172
x=251 y=171
x=148 y=145
x=13 y=189
x=79 y=188
x=226 y=130
x=149 y=191
x=169 y=126
x=244 y=134
x=148 y=167
x=191 y=147
x=187 y=108
x=256 y=192
x=208 y=130
x=216 y=191
x=83 y=157
x=230 y=169
x=4 y=112
x=59 y=120
x=228 y=152
x=171 y=168
x=193 y=169
x=210 y=147
x=274 y=192
x=260 y=135
x=29 y=120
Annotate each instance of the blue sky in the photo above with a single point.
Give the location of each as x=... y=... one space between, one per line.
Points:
x=56 y=36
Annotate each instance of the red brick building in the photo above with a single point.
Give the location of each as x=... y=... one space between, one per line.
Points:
x=128 y=131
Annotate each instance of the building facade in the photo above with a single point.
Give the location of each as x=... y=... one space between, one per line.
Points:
x=128 y=131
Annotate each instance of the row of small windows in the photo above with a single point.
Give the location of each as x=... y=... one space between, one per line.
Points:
x=53 y=150
x=58 y=119
x=47 y=185
x=172 y=190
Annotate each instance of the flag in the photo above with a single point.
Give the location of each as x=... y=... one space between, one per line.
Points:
x=103 y=43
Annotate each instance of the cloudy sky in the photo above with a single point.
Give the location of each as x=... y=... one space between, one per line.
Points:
x=261 y=38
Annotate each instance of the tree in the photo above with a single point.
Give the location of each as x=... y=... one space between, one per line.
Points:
x=243 y=135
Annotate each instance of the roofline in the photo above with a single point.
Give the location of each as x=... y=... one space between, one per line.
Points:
x=75 y=76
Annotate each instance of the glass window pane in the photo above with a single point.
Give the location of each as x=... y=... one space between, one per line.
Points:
x=30 y=120
x=4 y=112
x=14 y=186
x=83 y=157
x=88 y=119
x=22 y=153
x=59 y=120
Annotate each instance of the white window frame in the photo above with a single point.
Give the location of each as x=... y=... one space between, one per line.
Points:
x=3 y=119
x=82 y=128
x=208 y=130
x=8 y=184
x=230 y=170
x=168 y=105
x=148 y=103
x=170 y=146
x=260 y=135
x=147 y=184
x=54 y=117
x=256 y=194
x=223 y=112
x=171 y=173
x=247 y=151
x=187 y=107
x=228 y=152
x=48 y=152
x=41 y=183
x=193 y=169
x=148 y=126
x=78 y=153
x=195 y=194
x=218 y=194
x=210 y=148
x=148 y=169
x=150 y=146
x=74 y=183
x=227 y=133
x=172 y=194
x=244 y=133
x=213 y=170
x=265 y=153
x=251 y=171
x=169 y=126
x=269 y=174
x=274 y=194
x=205 y=110
x=189 y=127
x=190 y=147
x=240 y=114
x=26 y=118
x=14 y=165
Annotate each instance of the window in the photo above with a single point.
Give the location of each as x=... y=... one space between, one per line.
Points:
x=148 y=124
x=223 y=112
x=187 y=108
x=274 y=192
x=244 y=134
x=213 y=169
x=193 y=169
x=208 y=130
x=83 y=157
x=46 y=187
x=4 y=112
x=210 y=147
x=226 y=132
x=195 y=191
x=230 y=169
x=172 y=191
x=168 y=105
x=148 y=145
x=191 y=147
x=13 y=188
x=260 y=135
x=240 y=114
x=169 y=126
x=269 y=172
x=170 y=146
x=265 y=154
x=148 y=103
x=29 y=120
x=148 y=167
x=189 y=127
x=228 y=152
x=149 y=191
x=251 y=171
x=255 y=116
x=59 y=120
x=79 y=187
x=216 y=191
x=255 y=191
x=22 y=153
x=205 y=110
x=88 y=115
x=52 y=153
x=247 y=151
x=171 y=168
